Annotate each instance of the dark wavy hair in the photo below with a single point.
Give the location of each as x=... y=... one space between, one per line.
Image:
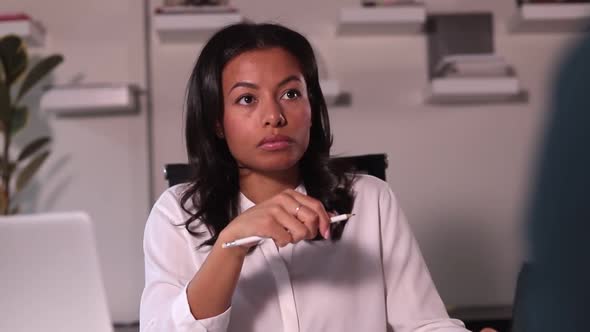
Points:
x=212 y=195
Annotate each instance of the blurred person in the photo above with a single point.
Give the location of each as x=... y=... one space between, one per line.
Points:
x=557 y=289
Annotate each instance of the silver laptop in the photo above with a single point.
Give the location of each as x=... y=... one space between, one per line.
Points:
x=50 y=278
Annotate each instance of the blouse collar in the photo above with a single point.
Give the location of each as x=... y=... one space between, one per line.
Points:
x=246 y=203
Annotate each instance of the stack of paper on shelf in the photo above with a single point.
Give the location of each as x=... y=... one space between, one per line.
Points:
x=22 y=25
x=385 y=3
x=474 y=75
x=205 y=9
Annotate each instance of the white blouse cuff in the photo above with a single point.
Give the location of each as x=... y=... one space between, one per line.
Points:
x=185 y=321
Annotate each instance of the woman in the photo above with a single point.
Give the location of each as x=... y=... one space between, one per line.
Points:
x=258 y=139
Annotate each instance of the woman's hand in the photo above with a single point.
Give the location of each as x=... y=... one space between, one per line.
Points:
x=288 y=217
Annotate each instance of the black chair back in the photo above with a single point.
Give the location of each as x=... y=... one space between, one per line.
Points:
x=372 y=164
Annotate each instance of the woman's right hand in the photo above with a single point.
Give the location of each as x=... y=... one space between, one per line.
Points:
x=288 y=217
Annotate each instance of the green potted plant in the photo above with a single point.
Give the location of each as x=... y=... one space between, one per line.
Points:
x=15 y=82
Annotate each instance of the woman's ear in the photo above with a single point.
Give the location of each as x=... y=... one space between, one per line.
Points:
x=219 y=130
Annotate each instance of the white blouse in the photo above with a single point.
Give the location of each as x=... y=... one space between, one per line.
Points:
x=373 y=279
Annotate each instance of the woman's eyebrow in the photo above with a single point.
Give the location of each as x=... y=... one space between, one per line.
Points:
x=244 y=84
x=256 y=87
x=289 y=79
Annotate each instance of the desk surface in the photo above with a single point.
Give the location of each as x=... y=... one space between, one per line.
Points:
x=482 y=312
x=127 y=328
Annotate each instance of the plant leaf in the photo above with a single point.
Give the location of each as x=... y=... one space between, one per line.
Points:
x=20 y=116
x=2 y=73
x=33 y=147
x=14 y=58
x=27 y=173
x=11 y=168
x=4 y=100
x=40 y=70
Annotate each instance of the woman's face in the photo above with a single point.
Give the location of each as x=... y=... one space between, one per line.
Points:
x=267 y=115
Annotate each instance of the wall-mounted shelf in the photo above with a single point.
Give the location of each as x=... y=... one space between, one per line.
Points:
x=463 y=66
x=89 y=99
x=183 y=26
x=23 y=26
x=330 y=90
x=333 y=94
x=461 y=90
x=382 y=20
x=551 y=17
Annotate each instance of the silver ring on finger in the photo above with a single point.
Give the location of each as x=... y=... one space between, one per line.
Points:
x=297 y=210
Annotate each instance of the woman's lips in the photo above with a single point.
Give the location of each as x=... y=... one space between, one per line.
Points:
x=275 y=143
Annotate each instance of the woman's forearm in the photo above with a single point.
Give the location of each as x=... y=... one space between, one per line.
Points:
x=211 y=289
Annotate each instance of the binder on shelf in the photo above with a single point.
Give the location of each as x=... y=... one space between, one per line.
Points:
x=24 y=26
x=462 y=64
x=399 y=18
x=573 y=16
x=89 y=99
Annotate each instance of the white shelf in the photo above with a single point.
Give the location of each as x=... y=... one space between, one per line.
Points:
x=382 y=20
x=32 y=32
x=331 y=91
x=177 y=25
x=474 y=89
x=565 y=17
x=89 y=99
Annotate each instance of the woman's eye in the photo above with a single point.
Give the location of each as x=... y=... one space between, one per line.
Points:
x=292 y=94
x=245 y=100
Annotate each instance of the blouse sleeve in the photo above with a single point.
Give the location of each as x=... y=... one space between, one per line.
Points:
x=168 y=269
x=413 y=303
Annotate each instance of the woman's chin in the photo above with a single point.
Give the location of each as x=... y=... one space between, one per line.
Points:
x=277 y=167
x=274 y=165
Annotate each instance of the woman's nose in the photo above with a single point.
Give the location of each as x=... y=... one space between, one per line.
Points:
x=274 y=116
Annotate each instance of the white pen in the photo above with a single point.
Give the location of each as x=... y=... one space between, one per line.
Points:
x=254 y=239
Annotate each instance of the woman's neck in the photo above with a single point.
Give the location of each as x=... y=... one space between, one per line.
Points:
x=259 y=187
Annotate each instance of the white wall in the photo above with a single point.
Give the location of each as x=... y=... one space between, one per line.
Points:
x=98 y=164
x=461 y=172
